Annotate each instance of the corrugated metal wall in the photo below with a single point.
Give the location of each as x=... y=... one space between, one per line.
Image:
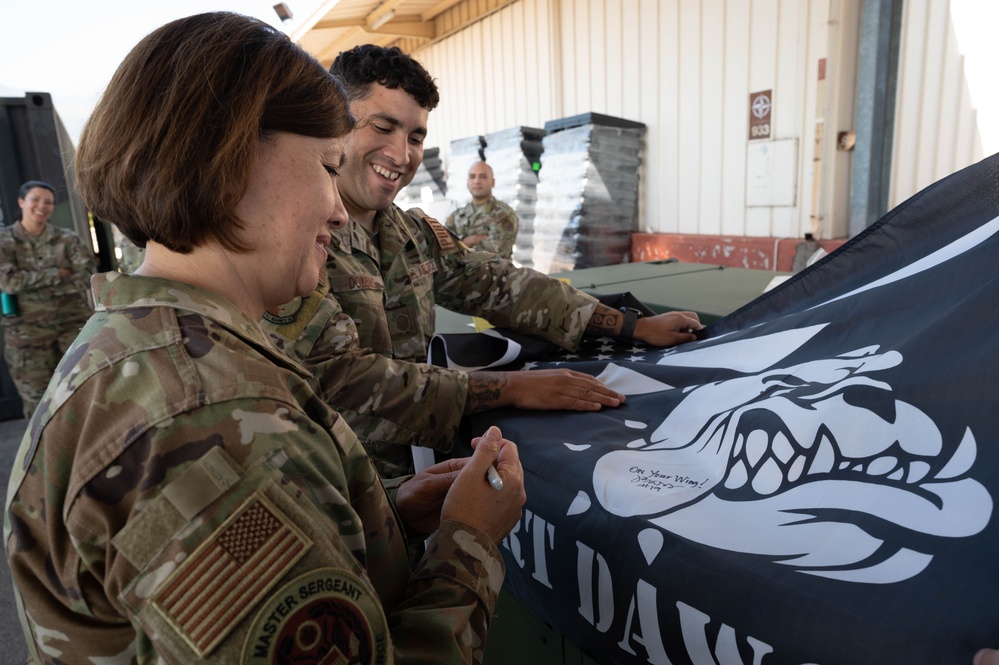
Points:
x=495 y=74
x=936 y=131
x=686 y=69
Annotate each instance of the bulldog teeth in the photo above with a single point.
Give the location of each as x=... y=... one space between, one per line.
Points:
x=782 y=448
x=882 y=466
x=756 y=446
x=769 y=478
x=737 y=476
x=825 y=458
x=917 y=471
x=797 y=467
x=766 y=464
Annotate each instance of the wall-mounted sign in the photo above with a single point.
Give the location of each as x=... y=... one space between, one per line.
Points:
x=760 y=106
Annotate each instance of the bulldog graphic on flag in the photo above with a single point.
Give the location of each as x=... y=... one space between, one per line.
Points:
x=811 y=482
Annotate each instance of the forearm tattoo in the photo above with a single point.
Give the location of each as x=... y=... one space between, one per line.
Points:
x=484 y=389
x=605 y=321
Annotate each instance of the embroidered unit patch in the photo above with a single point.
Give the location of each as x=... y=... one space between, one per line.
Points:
x=325 y=616
x=285 y=313
x=228 y=575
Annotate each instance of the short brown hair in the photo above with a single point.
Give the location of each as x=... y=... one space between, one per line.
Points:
x=167 y=152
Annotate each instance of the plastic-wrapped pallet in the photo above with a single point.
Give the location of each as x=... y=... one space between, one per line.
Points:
x=587 y=194
x=427 y=185
x=512 y=154
x=464 y=153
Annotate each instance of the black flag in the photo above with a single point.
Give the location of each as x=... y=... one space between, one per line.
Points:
x=811 y=482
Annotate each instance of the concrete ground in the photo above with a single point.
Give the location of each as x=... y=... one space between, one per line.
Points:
x=12 y=648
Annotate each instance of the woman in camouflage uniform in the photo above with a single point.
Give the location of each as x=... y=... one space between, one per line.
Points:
x=48 y=271
x=182 y=494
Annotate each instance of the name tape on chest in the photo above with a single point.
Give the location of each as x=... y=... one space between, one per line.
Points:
x=341 y=283
x=422 y=270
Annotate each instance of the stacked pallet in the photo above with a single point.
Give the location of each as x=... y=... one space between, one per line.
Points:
x=587 y=194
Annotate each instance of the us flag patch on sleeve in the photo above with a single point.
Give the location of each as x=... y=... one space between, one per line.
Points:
x=214 y=588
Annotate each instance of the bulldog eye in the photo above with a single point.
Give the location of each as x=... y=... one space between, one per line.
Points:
x=877 y=400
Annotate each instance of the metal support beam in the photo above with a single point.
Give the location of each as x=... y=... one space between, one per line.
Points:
x=877 y=80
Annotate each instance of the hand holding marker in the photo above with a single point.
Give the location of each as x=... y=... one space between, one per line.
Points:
x=492 y=475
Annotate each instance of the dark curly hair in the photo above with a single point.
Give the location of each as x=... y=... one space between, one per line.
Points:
x=363 y=65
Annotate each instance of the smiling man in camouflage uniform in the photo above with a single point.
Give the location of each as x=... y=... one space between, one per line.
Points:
x=388 y=267
x=485 y=223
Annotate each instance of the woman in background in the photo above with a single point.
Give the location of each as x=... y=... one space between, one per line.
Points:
x=47 y=269
x=182 y=495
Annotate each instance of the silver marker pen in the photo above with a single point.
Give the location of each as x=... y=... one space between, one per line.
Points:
x=494 y=478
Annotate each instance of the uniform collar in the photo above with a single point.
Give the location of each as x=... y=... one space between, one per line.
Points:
x=115 y=291
x=483 y=206
x=354 y=237
x=21 y=234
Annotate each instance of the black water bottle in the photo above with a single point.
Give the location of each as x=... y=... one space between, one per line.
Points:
x=8 y=304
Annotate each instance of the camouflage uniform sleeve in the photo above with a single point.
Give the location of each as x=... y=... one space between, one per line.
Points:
x=486 y=285
x=460 y=556
x=393 y=401
x=14 y=279
x=384 y=400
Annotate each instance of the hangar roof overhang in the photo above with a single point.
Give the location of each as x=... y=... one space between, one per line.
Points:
x=338 y=25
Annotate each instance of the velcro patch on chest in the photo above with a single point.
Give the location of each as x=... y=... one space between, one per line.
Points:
x=445 y=240
x=422 y=270
x=214 y=588
x=342 y=283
